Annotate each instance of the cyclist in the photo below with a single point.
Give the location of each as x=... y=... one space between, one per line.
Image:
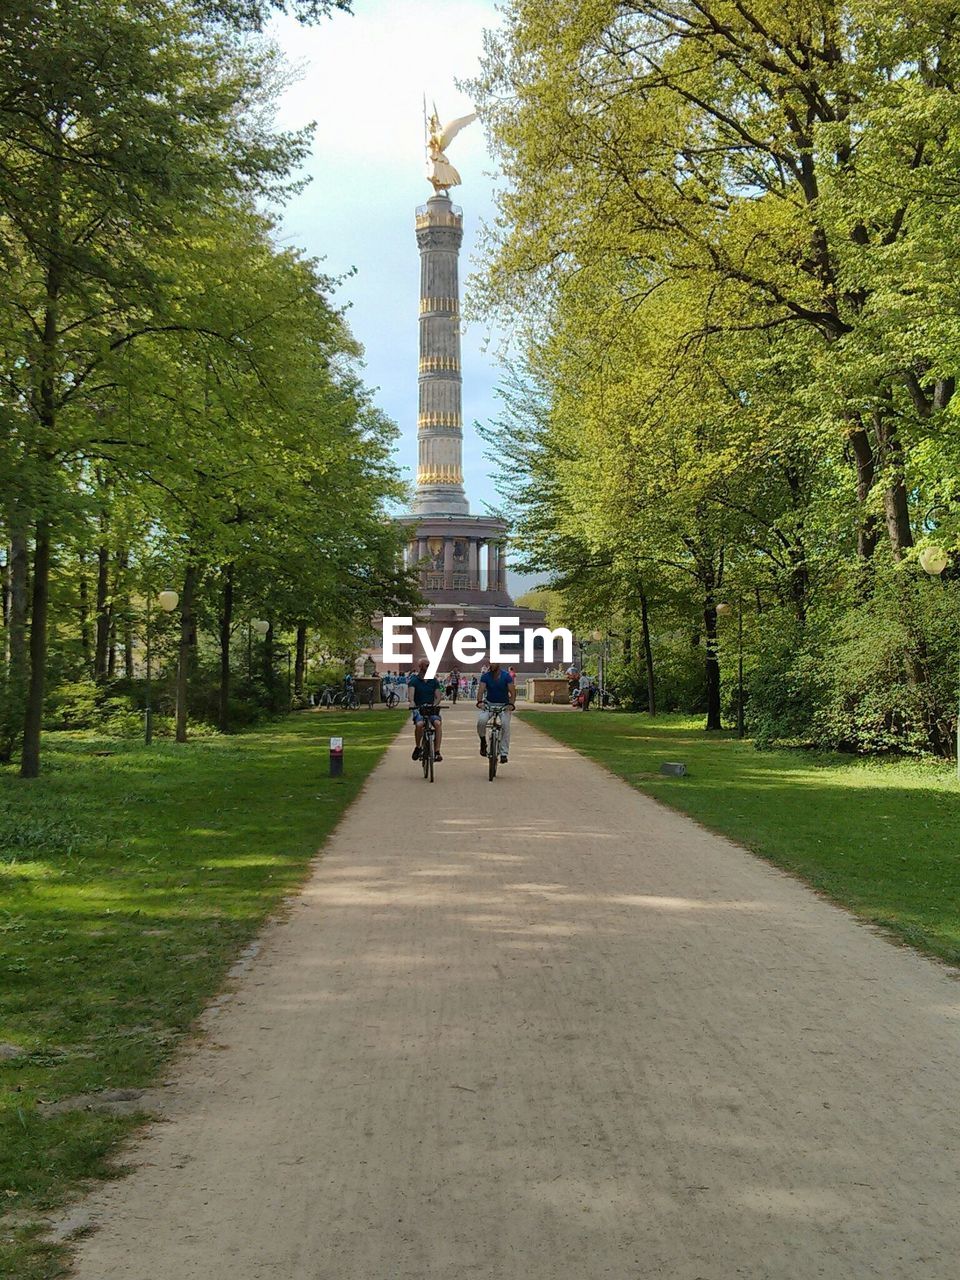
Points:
x=496 y=685
x=422 y=692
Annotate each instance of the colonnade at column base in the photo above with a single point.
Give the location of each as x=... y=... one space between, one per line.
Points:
x=462 y=572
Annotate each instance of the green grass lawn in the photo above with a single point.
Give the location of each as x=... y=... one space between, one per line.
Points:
x=881 y=837
x=129 y=880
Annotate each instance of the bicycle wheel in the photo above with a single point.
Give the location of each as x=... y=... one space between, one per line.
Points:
x=493 y=753
x=426 y=757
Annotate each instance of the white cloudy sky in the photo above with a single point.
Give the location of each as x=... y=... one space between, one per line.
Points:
x=363 y=80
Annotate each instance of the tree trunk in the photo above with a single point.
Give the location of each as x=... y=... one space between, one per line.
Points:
x=33 y=717
x=85 y=615
x=799 y=575
x=17 y=607
x=866 y=471
x=648 y=654
x=897 y=518
x=300 y=665
x=712 y=666
x=119 y=618
x=897 y=514
x=17 y=619
x=187 y=627
x=102 y=614
x=48 y=383
x=268 y=679
x=896 y=509
x=226 y=626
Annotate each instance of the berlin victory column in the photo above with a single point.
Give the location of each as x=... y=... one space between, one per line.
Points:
x=461 y=557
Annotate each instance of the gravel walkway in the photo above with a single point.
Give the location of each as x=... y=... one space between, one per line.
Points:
x=547 y=1030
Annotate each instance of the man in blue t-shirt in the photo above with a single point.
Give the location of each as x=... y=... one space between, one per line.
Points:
x=422 y=692
x=496 y=685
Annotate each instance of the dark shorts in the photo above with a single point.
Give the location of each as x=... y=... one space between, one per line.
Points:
x=418 y=716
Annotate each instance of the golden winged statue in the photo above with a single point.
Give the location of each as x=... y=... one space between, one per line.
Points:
x=439 y=169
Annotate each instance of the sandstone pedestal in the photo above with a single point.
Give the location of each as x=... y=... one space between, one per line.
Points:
x=548 y=689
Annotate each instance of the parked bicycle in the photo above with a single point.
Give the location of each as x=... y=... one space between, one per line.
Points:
x=392 y=698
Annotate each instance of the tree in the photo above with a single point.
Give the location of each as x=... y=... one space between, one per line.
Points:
x=99 y=173
x=724 y=222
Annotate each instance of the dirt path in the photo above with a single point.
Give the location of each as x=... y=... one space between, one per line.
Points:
x=546 y=1030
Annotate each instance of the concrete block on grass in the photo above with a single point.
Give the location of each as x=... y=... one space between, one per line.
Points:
x=673 y=770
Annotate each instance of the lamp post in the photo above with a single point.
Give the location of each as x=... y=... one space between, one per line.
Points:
x=286 y=654
x=597 y=637
x=724 y=610
x=261 y=627
x=933 y=561
x=168 y=601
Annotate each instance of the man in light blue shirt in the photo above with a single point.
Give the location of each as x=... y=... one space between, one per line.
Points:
x=496 y=686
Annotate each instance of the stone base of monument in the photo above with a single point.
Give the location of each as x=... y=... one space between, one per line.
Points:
x=673 y=769
x=548 y=689
x=363 y=685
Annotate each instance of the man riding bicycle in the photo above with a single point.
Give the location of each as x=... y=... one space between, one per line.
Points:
x=422 y=692
x=496 y=685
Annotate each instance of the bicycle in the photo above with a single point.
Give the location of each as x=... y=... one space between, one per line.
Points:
x=494 y=732
x=392 y=698
x=346 y=699
x=428 y=743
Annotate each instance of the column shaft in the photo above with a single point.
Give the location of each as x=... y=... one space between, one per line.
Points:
x=493 y=567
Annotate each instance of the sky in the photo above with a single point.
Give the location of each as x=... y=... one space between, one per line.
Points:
x=362 y=80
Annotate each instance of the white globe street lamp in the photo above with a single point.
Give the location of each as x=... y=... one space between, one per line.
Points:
x=933 y=560
x=260 y=626
x=168 y=601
